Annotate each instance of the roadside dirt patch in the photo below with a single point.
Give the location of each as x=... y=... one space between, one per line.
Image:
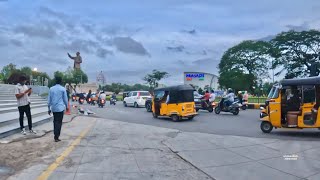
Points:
x=17 y=156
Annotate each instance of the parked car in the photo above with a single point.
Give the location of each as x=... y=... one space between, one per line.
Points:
x=149 y=104
x=136 y=98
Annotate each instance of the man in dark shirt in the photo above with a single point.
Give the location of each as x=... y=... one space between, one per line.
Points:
x=293 y=104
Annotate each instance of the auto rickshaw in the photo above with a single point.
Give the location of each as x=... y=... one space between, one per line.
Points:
x=176 y=102
x=292 y=103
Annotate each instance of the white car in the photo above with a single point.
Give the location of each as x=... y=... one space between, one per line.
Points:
x=136 y=98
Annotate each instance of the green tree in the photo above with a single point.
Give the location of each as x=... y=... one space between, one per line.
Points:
x=244 y=64
x=300 y=52
x=26 y=70
x=7 y=71
x=74 y=77
x=236 y=80
x=154 y=78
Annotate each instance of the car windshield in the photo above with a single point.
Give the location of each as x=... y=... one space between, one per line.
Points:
x=144 y=94
x=274 y=93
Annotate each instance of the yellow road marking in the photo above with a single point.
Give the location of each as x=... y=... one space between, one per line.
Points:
x=45 y=175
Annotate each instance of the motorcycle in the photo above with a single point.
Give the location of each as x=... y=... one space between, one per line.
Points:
x=91 y=101
x=204 y=106
x=234 y=108
x=81 y=101
x=113 y=101
x=101 y=103
x=74 y=98
x=244 y=103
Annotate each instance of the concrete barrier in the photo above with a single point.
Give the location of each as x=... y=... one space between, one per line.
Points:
x=255 y=105
x=40 y=89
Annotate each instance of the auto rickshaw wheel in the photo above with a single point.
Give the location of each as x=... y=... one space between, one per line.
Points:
x=266 y=126
x=244 y=107
x=190 y=118
x=197 y=109
x=154 y=115
x=210 y=109
x=175 y=117
x=217 y=110
x=136 y=105
x=125 y=104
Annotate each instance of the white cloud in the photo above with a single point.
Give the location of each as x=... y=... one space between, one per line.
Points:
x=117 y=37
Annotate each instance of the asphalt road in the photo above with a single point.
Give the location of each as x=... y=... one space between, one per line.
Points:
x=247 y=123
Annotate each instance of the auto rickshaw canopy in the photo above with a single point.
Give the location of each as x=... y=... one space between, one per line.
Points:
x=177 y=94
x=301 y=81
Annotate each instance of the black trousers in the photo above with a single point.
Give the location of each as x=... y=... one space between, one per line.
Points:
x=57 y=123
x=22 y=110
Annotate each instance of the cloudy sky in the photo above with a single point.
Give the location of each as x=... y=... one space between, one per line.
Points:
x=128 y=38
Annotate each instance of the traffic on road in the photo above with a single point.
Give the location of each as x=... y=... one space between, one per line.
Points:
x=244 y=123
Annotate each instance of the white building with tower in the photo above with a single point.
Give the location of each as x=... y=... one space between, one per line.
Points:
x=101 y=80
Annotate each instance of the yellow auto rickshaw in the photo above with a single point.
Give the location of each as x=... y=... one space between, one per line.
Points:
x=292 y=103
x=176 y=102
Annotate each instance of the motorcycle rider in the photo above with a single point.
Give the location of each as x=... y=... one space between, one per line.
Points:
x=229 y=98
x=89 y=95
x=114 y=96
x=212 y=96
x=206 y=97
x=102 y=96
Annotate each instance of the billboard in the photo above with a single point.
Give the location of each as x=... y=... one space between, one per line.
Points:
x=199 y=76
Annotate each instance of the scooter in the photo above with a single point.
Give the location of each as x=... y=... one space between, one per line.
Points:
x=244 y=103
x=74 y=98
x=113 y=101
x=101 y=103
x=91 y=101
x=233 y=108
x=204 y=106
x=81 y=101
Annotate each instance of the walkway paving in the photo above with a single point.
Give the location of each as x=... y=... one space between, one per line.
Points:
x=118 y=150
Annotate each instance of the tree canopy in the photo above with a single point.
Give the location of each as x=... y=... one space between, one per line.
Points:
x=154 y=78
x=118 y=87
x=243 y=65
x=72 y=77
x=10 y=74
x=300 y=52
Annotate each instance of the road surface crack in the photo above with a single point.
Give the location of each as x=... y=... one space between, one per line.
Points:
x=185 y=160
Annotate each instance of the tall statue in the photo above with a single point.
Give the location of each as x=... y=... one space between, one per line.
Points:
x=77 y=60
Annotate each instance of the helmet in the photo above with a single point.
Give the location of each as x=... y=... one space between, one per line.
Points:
x=230 y=90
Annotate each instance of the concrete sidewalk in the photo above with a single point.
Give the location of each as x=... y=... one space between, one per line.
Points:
x=118 y=150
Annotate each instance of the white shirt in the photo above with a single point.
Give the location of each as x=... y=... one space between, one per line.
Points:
x=212 y=97
x=24 y=100
x=103 y=96
x=230 y=97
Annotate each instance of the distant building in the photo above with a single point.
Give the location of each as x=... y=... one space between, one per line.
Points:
x=201 y=80
x=101 y=80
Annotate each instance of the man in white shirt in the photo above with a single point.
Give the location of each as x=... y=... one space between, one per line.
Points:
x=102 y=95
x=229 y=97
x=22 y=93
x=212 y=96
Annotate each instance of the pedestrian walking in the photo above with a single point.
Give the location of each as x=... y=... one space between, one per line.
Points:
x=57 y=103
x=22 y=93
